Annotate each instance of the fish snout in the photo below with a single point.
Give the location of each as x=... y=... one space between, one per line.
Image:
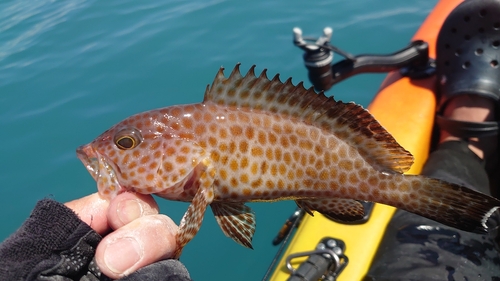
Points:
x=88 y=156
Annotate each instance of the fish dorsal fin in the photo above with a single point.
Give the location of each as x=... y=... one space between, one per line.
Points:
x=348 y=121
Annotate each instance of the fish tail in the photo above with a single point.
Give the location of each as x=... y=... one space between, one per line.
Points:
x=450 y=204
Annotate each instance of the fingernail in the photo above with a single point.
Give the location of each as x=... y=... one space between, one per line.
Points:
x=122 y=254
x=129 y=210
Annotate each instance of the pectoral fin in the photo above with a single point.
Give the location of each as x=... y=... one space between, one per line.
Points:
x=236 y=221
x=191 y=221
x=336 y=208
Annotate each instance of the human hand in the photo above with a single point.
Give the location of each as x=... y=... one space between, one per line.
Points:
x=135 y=235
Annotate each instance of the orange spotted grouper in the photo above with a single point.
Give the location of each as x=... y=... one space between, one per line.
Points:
x=255 y=139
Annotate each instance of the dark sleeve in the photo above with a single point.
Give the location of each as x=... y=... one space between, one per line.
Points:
x=54 y=244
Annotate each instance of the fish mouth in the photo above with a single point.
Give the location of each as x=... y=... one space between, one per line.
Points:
x=88 y=156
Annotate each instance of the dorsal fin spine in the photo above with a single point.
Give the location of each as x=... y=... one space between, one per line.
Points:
x=349 y=122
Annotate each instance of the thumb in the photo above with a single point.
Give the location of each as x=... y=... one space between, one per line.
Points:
x=143 y=241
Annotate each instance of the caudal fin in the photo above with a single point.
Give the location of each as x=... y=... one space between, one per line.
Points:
x=450 y=204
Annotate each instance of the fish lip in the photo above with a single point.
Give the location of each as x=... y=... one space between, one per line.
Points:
x=88 y=156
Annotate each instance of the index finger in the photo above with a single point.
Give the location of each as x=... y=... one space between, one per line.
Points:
x=128 y=206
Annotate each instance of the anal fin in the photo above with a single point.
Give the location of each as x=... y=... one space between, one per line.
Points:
x=345 y=210
x=236 y=220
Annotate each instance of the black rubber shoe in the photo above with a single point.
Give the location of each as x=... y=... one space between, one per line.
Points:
x=468 y=62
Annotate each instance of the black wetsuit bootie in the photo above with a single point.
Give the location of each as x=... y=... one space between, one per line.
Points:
x=468 y=62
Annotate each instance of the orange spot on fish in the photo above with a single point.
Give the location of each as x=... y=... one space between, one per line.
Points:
x=305 y=144
x=150 y=177
x=270 y=184
x=236 y=130
x=180 y=159
x=363 y=187
x=185 y=149
x=175 y=126
x=274 y=170
x=222 y=133
x=243 y=147
x=342 y=178
x=256 y=120
x=319 y=164
x=244 y=178
x=346 y=165
x=208 y=117
x=314 y=134
x=215 y=156
x=234 y=182
x=277 y=129
x=353 y=178
x=141 y=170
x=264 y=167
x=261 y=137
x=284 y=141
x=224 y=159
x=196 y=115
x=256 y=183
x=244 y=162
x=175 y=111
x=324 y=175
x=145 y=159
x=335 y=157
x=254 y=168
x=272 y=138
x=269 y=154
x=223 y=174
x=153 y=166
x=282 y=169
x=232 y=147
x=187 y=123
x=311 y=172
x=392 y=185
x=169 y=167
x=373 y=181
x=382 y=185
x=266 y=121
x=281 y=184
x=233 y=165
x=257 y=151
x=222 y=147
x=199 y=129
x=170 y=151
x=132 y=165
x=404 y=187
x=157 y=154
x=342 y=153
x=249 y=133
x=212 y=141
x=299 y=173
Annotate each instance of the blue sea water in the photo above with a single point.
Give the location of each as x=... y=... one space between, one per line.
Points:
x=70 y=69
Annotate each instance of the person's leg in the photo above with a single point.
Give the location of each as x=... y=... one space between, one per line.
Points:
x=471 y=108
x=462 y=160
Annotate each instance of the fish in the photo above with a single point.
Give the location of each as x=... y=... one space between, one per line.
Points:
x=255 y=139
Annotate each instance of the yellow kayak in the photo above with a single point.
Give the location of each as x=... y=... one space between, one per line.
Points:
x=406 y=108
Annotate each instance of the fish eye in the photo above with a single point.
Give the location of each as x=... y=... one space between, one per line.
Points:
x=128 y=138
